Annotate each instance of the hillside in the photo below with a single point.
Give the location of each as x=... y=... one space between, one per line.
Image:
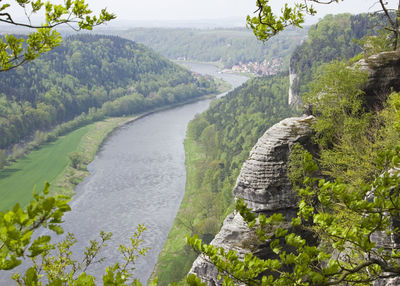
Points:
x=335 y=37
x=106 y=75
x=228 y=46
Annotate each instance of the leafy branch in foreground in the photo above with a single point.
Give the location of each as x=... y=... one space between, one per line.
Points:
x=266 y=23
x=14 y=51
x=54 y=263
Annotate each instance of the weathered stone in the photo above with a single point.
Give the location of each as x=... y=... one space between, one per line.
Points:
x=263 y=182
x=385 y=241
x=233 y=233
x=383 y=76
x=264 y=186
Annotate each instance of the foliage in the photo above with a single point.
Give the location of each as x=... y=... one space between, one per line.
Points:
x=227 y=46
x=119 y=78
x=14 y=51
x=75 y=159
x=336 y=98
x=53 y=264
x=266 y=24
x=351 y=138
x=376 y=43
x=348 y=252
x=333 y=38
x=300 y=165
x=218 y=142
x=3 y=158
x=18 y=225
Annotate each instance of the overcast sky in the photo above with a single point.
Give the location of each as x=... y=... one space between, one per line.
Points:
x=211 y=9
x=188 y=10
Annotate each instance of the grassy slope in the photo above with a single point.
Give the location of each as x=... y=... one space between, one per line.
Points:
x=50 y=163
x=39 y=166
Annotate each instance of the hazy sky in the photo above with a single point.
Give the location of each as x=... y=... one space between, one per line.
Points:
x=210 y=9
x=187 y=10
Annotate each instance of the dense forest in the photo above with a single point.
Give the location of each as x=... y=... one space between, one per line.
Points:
x=335 y=37
x=221 y=139
x=228 y=46
x=93 y=74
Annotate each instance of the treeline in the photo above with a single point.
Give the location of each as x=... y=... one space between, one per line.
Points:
x=228 y=46
x=335 y=37
x=97 y=75
x=218 y=142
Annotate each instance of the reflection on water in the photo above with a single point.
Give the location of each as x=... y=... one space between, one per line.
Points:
x=137 y=177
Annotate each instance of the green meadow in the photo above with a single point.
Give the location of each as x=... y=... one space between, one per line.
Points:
x=50 y=164
x=43 y=165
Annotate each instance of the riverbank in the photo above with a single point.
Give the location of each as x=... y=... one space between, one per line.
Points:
x=176 y=258
x=50 y=161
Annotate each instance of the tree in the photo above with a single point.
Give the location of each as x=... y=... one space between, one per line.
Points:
x=14 y=51
x=3 y=158
x=393 y=17
x=59 y=268
x=265 y=24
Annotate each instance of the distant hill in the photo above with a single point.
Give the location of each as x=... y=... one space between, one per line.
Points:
x=104 y=74
x=228 y=46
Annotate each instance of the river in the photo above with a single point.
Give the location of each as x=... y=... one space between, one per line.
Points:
x=137 y=177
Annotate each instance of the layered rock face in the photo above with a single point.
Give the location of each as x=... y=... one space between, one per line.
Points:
x=383 y=76
x=294 y=98
x=265 y=187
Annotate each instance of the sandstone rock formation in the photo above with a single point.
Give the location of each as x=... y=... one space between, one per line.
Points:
x=264 y=185
x=294 y=98
x=383 y=76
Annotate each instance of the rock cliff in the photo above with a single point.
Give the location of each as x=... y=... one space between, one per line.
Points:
x=264 y=186
x=263 y=181
x=383 y=76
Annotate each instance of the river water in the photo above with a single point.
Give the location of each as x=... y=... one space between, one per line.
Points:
x=137 y=177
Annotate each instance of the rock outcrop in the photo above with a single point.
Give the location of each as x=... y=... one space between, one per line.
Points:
x=294 y=98
x=265 y=187
x=383 y=76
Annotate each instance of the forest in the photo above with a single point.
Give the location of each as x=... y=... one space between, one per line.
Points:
x=336 y=37
x=118 y=77
x=227 y=46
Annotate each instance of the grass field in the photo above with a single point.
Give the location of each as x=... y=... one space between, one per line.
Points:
x=50 y=164
x=18 y=180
